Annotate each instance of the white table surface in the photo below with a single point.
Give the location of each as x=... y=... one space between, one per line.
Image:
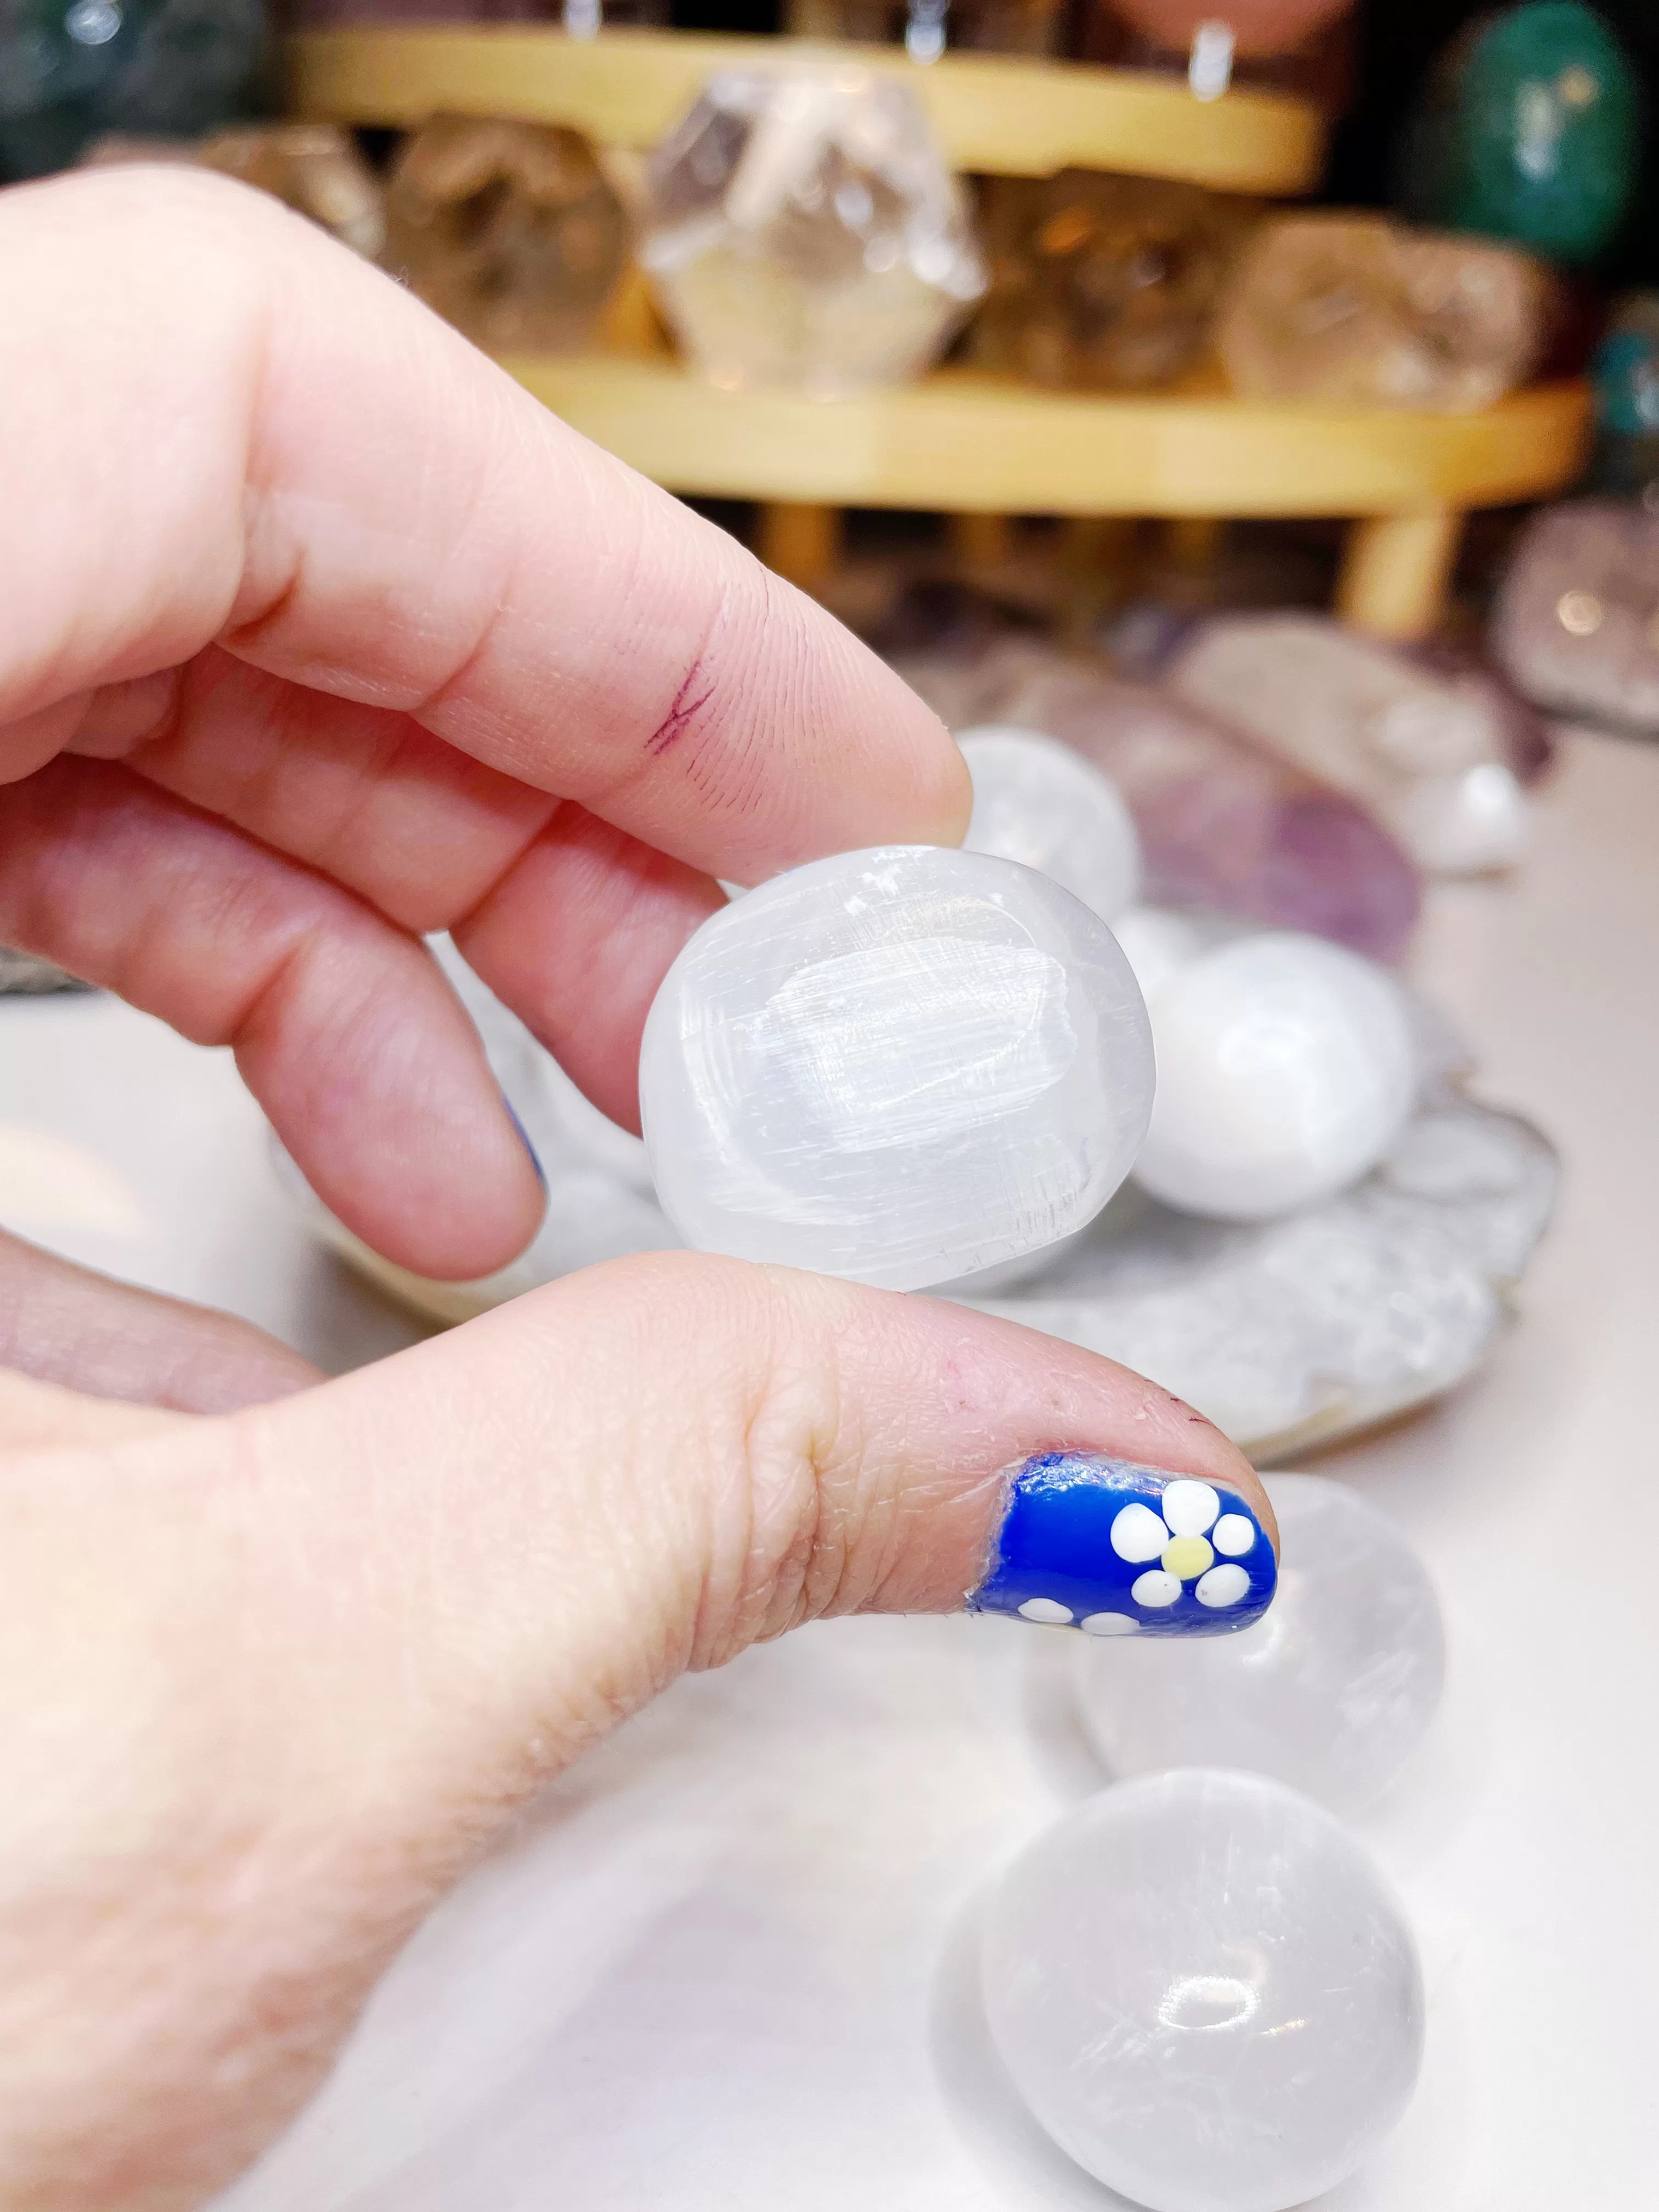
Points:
x=727 y=1963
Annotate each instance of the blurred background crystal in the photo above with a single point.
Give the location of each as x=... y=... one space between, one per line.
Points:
x=1101 y=282
x=315 y=168
x=802 y=228
x=1427 y=750
x=1037 y=802
x=72 y=70
x=1205 y=1991
x=1285 y=1072
x=899 y=1066
x=1330 y=1692
x=1360 y=312
x=1625 y=370
x=508 y=229
x=1224 y=826
x=1577 y=623
x=1528 y=128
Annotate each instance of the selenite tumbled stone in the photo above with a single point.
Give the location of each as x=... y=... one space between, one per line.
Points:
x=802 y=229
x=1285 y=1070
x=1206 y=1992
x=900 y=1065
x=1359 y=311
x=1330 y=1690
x=1037 y=802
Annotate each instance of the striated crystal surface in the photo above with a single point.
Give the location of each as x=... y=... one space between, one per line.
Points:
x=508 y=230
x=1530 y=130
x=899 y=1066
x=1577 y=621
x=1205 y=1990
x=1222 y=823
x=803 y=230
x=1285 y=1070
x=1330 y=1690
x=1427 y=749
x=312 y=167
x=1037 y=802
x=71 y=69
x=1105 y=283
x=1360 y=312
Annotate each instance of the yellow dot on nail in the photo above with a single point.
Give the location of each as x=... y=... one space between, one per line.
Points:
x=1187 y=1557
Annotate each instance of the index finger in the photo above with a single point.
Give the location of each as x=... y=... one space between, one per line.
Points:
x=394 y=522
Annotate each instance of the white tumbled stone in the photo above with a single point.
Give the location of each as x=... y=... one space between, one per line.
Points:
x=1037 y=802
x=1285 y=1070
x=896 y=1065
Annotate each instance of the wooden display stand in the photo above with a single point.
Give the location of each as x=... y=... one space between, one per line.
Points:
x=977 y=447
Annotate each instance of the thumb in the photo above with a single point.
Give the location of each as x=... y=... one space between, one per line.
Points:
x=306 y=1658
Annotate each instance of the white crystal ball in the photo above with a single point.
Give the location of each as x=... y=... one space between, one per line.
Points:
x=1206 y=1992
x=1330 y=1690
x=898 y=1065
x=1285 y=1070
x=1037 y=802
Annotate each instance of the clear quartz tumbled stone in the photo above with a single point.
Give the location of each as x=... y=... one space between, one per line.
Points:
x=803 y=230
x=1330 y=1690
x=1205 y=1991
x=899 y=1066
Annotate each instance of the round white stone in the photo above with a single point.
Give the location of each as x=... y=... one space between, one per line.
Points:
x=1285 y=1070
x=1155 y=1587
x=1203 y=1988
x=1331 y=1690
x=1137 y=1534
x=1221 y=1586
x=1233 y=1535
x=897 y=1066
x=1189 y=1507
x=1108 y=1624
x=1037 y=802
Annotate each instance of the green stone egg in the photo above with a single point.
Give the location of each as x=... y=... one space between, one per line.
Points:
x=1528 y=130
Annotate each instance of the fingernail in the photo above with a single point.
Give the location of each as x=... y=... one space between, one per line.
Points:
x=1120 y=1550
x=524 y=1139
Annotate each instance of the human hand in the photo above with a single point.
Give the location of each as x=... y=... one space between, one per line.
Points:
x=318 y=633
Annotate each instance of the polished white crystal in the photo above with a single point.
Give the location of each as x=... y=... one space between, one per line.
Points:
x=1330 y=1690
x=1206 y=1992
x=1285 y=1069
x=898 y=1065
x=1039 y=802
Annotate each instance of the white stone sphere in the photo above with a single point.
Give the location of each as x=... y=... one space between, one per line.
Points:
x=1037 y=802
x=1330 y=1690
x=1285 y=1070
x=1206 y=1992
x=897 y=1066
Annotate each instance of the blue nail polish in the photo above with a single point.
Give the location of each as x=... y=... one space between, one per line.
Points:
x=1120 y=1550
x=524 y=1139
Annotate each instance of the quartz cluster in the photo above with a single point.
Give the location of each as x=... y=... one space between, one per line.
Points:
x=1361 y=312
x=801 y=228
